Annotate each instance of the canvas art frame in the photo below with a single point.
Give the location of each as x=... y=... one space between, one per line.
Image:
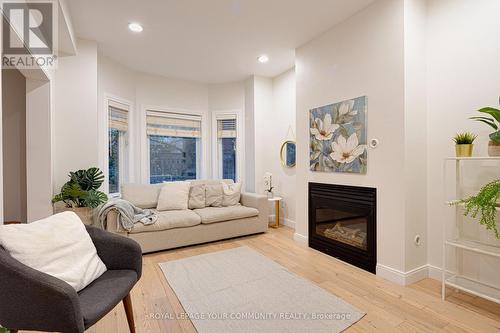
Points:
x=338 y=140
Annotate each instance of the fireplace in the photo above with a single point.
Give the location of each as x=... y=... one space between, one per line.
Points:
x=342 y=223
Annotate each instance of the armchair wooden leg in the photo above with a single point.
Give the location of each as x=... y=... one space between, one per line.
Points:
x=127 y=303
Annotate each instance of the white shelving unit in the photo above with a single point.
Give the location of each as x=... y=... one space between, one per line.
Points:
x=458 y=241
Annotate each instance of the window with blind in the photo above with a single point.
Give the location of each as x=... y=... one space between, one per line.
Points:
x=117 y=145
x=174 y=146
x=226 y=147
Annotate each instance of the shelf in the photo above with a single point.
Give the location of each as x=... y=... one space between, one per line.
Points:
x=474 y=287
x=474 y=246
x=473 y=158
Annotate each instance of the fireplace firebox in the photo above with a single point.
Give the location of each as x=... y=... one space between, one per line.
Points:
x=342 y=223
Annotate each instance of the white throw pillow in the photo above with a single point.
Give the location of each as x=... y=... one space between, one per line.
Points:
x=174 y=196
x=232 y=193
x=58 y=245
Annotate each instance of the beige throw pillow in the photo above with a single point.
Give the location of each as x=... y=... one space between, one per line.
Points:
x=214 y=195
x=174 y=196
x=232 y=193
x=197 y=196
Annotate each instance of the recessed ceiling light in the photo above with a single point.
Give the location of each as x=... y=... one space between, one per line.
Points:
x=263 y=59
x=135 y=27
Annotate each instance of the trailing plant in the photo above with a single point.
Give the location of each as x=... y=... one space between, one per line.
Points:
x=82 y=189
x=3 y=330
x=493 y=122
x=465 y=138
x=484 y=203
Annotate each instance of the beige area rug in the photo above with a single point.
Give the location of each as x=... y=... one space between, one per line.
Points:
x=240 y=290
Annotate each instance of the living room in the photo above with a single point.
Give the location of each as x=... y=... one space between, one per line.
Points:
x=250 y=166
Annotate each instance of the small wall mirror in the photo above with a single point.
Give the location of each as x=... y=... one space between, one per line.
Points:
x=287 y=154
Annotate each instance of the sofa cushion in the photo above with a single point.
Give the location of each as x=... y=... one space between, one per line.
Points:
x=173 y=196
x=214 y=195
x=210 y=181
x=141 y=195
x=232 y=193
x=169 y=219
x=219 y=214
x=197 y=196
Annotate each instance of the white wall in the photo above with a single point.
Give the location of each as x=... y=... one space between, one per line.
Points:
x=14 y=149
x=415 y=133
x=364 y=55
x=463 y=74
x=75 y=118
x=282 y=119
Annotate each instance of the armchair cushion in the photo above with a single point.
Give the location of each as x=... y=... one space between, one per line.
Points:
x=102 y=295
x=58 y=245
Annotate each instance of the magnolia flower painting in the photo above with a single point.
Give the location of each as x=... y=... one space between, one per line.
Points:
x=338 y=137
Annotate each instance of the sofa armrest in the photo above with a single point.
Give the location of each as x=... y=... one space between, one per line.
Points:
x=32 y=300
x=112 y=223
x=254 y=200
x=117 y=252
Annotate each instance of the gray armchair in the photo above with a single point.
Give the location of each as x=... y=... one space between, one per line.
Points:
x=32 y=300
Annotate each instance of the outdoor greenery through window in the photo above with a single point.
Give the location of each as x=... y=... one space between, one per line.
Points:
x=226 y=151
x=174 y=146
x=118 y=147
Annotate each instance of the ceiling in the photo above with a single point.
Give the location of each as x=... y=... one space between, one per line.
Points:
x=207 y=40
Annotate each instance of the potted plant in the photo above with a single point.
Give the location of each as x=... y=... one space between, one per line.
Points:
x=80 y=194
x=494 y=122
x=485 y=202
x=464 y=144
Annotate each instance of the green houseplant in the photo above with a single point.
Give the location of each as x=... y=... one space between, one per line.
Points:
x=80 y=194
x=464 y=144
x=485 y=203
x=494 y=123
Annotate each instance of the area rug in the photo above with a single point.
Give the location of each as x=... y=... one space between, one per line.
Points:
x=240 y=290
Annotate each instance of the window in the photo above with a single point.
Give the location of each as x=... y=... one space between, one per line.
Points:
x=117 y=146
x=174 y=142
x=226 y=147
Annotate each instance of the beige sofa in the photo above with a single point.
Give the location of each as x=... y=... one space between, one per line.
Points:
x=178 y=228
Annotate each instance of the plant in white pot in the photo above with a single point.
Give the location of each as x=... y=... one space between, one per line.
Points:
x=80 y=194
x=494 y=144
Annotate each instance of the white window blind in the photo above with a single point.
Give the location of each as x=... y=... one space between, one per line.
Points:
x=173 y=124
x=226 y=128
x=118 y=118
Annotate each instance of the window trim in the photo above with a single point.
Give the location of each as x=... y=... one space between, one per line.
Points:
x=118 y=102
x=202 y=170
x=216 y=165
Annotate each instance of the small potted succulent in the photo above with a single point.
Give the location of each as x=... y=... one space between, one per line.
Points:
x=80 y=194
x=494 y=123
x=464 y=144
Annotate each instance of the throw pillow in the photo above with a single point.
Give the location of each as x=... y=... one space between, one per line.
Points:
x=174 y=196
x=232 y=193
x=58 y=245
x=214 y=195
x=197 y=196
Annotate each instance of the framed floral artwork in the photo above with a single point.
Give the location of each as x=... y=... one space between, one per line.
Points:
x=338 y=137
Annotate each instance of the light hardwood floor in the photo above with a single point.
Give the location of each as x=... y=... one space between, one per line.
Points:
x=389 y=307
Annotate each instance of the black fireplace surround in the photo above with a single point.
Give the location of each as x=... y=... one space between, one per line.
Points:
x=342 y=223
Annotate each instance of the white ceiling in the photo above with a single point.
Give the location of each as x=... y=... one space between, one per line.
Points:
x=207 y=40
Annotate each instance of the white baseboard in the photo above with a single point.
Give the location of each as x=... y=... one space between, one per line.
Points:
x=284 y=221
x=300 y=239
x=412 y=276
